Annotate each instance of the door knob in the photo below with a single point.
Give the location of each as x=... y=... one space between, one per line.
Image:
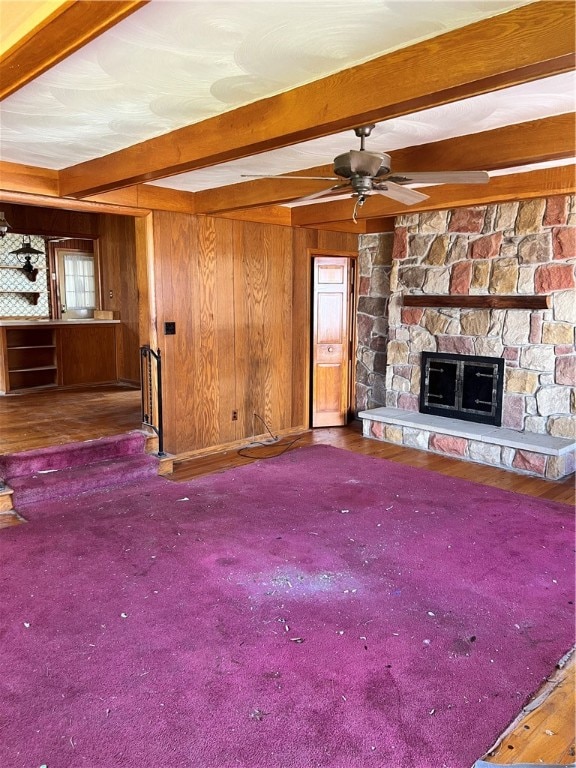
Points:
x=330 y=349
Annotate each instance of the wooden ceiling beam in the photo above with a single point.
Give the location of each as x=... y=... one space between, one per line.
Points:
x=516 y=186
x=536 y=141
x=63 y=31
x=525 y=44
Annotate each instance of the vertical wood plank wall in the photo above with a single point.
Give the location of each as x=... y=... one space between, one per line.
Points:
x=117 y=249
x=239 y=294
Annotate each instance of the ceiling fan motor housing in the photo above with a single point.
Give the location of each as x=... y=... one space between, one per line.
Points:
x=362 y=163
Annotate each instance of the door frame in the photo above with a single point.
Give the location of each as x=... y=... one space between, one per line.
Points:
x=353 y=259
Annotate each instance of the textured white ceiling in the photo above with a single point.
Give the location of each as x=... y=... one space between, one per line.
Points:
x=172 y=63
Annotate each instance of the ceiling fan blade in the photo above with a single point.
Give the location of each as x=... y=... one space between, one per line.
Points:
x=325 y=193
x=441 y=177
x=294 y=178
x=401 y=194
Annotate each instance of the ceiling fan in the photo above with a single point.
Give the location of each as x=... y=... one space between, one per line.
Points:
x=368 y=173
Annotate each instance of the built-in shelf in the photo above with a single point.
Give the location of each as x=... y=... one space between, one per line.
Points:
x=31 y=359
x=35 y=368
x=33 y=346
x=478 y=302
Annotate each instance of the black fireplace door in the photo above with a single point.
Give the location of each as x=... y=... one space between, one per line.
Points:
x=467 y=387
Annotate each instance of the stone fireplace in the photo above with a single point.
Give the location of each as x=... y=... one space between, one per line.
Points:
x=492 y=281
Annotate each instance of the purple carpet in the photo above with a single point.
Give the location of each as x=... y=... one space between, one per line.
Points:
x=76 y=468
x=321 y=609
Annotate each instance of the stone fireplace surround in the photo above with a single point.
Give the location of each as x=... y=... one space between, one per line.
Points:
x=521 y=249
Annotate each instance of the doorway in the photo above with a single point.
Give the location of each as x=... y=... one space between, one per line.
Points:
x=333 y=331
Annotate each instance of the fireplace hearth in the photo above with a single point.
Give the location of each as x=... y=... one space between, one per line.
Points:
x=467 y=387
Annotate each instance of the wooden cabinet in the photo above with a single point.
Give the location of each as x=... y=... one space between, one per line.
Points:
x=36 y=356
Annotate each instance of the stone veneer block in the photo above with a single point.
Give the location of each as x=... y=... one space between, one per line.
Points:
x=454 y=446
x=484 y=453
x=467 y=220
x=458 y=251
x=564 y=242
x=408 y=402
x=559 y=466
x=565 y=370
x=480 y=275
x=433 y=222
x=553 y=400
x=488 y=347
x=411 y=315
x=516 y=327
x=400 y=247
x=437 y=281
x=558 y=333
x=458 y=345
x=538 y=358
x=487 y=247
x=461 y=278
x=530 y=215
x=438 y=251
x=416 y=438
x=380 y=282
x=562 y=426
x=397 y=352
x=556 y=211
x=520 y=381
x=504 y=276
x=565 y=306
x=475 y=322
x=506 y=216
x=435 y=322
x=526 y=280
x=394 y=434
x=419 y=245
x=554 y=277
x=535 y=249
x=513 y=412
x=535 y=328
x=534 y=463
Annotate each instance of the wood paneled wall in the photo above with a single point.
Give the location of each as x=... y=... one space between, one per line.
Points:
x=239 y=294
x=117 y=250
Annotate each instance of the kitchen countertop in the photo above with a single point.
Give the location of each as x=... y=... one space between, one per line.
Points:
x=31 y=323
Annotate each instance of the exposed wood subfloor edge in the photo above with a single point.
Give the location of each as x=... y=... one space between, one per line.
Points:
x=543 y=733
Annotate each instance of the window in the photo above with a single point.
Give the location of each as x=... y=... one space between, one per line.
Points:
x=78 y=283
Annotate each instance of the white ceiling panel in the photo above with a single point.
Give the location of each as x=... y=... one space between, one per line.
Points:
x=173 y=63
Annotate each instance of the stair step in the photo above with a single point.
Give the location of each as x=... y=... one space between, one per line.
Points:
x=72 y=481
x=69 y=455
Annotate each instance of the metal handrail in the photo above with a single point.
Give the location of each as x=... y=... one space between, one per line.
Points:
x=151 y=391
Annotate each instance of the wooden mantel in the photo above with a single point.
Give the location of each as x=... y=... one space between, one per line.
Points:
x=478 y=302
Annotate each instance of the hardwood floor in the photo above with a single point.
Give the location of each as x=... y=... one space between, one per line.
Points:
x=350 y=438
x=52 y=417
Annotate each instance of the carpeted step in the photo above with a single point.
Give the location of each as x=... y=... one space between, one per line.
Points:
x=71 y=454
x=48 y=485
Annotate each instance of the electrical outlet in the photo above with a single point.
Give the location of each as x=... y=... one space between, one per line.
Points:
x=234 y=415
